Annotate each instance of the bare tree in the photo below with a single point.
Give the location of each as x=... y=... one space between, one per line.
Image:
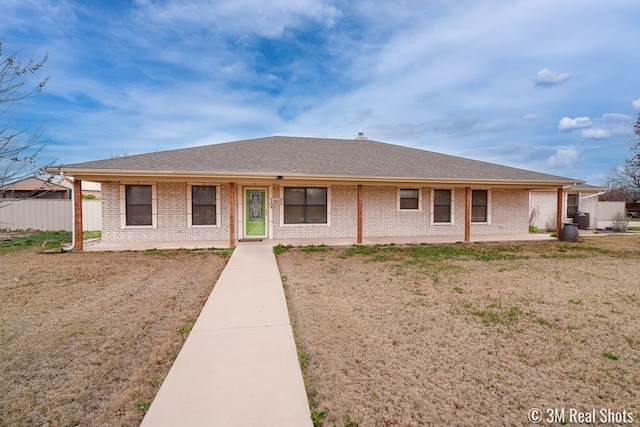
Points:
x=20 y=146
x=627 y=176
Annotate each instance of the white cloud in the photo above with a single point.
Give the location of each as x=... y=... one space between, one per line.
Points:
x=565 y=157
x=636 y=104
x=617 y=117
x=530 y=117
x=569 y=124
x=595 y=133
x=267 y=19
x=548 y=78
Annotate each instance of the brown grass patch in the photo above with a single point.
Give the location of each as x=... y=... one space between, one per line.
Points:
x=466 y=334
x=87 y=338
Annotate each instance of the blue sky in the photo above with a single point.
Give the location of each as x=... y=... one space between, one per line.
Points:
x=546 y=85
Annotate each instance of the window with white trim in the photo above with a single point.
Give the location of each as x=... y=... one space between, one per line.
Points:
x=203 y=205
x=572 y=205
x=479 y=206
x=442 y=206
x=138 y=205
x=305 y=205
x=409 y=199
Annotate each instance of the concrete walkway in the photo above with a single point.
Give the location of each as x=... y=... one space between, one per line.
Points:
x=239 y=365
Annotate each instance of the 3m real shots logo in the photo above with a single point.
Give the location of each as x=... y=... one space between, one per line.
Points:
x=564 y=416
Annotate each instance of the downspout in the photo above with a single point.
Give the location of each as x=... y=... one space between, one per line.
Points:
x=73 y=216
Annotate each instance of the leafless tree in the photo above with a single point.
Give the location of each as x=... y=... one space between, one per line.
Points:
x=627 y=176
x=20 y=146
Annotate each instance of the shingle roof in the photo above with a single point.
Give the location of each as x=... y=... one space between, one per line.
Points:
x=315 y=157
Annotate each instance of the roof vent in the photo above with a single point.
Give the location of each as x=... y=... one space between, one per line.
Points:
x=361 y=136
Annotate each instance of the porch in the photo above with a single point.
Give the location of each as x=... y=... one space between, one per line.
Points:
x=337 y=242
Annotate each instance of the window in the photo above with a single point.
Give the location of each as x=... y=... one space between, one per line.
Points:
x=305 y=205
x=203 y=205
x=409 y=199
x=139 y=205
x=479 y=205
x=572 y=205
x=441 y=206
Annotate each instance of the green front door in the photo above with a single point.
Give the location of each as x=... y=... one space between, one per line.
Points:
x=255 y=213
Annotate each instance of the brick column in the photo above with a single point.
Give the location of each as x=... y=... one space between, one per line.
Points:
x=232 y=214
x=77 y=214
x=559 y=214
x=467 y=215
x=359 y=237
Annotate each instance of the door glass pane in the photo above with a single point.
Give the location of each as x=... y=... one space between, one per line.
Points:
x=255 y=205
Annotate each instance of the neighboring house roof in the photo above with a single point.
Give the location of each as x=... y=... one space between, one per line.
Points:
x=53 y=184
x=312 y=158
x=34 y=184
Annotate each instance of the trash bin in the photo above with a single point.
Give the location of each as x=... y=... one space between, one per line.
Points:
x=582 y=219
x=569 y=233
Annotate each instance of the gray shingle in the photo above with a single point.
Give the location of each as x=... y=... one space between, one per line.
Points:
x=321 y=157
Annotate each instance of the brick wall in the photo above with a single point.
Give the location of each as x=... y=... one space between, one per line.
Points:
x=509 y=213
x=171 y=216
x=381 y=217
x=342 y=215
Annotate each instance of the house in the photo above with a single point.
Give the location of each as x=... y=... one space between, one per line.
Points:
x=307 y=189
x=38 y=188
x=34 y=187
x=543 y=210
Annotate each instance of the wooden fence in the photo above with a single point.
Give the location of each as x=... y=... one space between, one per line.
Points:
x=48 y=214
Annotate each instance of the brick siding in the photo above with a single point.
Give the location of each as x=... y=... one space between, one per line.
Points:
x=171 y=218
x=381 y=217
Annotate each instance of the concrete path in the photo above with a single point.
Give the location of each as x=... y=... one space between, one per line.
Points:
x=239 y=365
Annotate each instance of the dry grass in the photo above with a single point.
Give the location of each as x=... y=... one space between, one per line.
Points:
x=466 y=334
x=87 y=338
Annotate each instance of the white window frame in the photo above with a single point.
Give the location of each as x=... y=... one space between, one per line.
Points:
x=399 y=209
x=453 y=207
x=327 y=224
x=190 y=224
x=123 y=205
x=488 y=221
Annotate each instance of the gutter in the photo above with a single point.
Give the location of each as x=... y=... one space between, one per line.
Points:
x=593 y=195
x=118 y=174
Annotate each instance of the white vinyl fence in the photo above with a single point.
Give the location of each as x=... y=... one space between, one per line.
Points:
x=49 y=214
x=608 y=210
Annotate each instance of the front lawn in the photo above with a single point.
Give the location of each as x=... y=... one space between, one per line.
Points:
x=466 y=334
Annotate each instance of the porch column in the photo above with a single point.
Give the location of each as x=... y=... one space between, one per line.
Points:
x=359 y=238
x=467 y=215
x=77 y=214
x=232 y=214
x=559 y=212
